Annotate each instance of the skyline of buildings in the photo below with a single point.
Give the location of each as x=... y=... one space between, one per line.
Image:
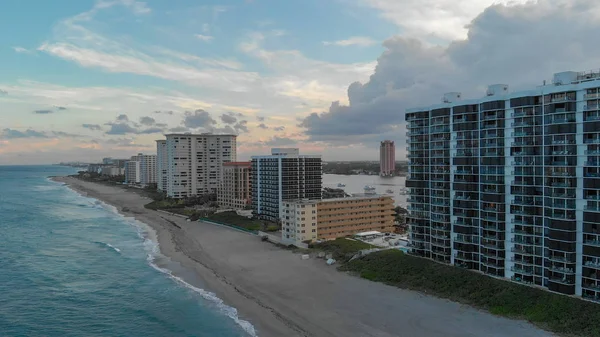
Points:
x=508 y=184
x=284 y=175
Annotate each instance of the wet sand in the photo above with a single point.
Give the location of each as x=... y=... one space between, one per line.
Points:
x=283 y=295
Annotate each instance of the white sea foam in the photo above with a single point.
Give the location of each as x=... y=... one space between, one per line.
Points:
x=113 y=247
x=148 y=234
x=153 y=249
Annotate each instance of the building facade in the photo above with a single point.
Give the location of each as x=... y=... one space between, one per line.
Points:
x=299 y=221
x=387 y=158
x=148 y=174
x=132 y=172
x=509 y=184
x=161 y=165
x=234 y=191
x=195 y=161
x=284 y=175
x=329 y=219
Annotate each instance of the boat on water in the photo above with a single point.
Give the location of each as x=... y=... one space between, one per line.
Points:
x=341 y=185
x=369 y=189
x=389 y=191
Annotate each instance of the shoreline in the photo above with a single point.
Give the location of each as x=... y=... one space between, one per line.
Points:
x=282 y=295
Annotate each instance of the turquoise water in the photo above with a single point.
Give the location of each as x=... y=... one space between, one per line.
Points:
x=71 y=266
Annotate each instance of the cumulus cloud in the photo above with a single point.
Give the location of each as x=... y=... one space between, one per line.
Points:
x=147 y=121
x=263 y=126
x=520 y=44
x=3 y=92
x=241 y=126
x=30 y=133
x=204 y=38
x=260 y=118
x=179 y=129
x=123 y=118
x=360 y=41
x=43 y=112
x=198 y=119
x=228 y=118
x=93 y=127
x=15 y=134
x=279 y=141
x=120 y=129
x=279 y=128
x=164 y=112
x=21 y=50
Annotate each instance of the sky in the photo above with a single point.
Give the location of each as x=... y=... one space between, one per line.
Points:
x=87 y=79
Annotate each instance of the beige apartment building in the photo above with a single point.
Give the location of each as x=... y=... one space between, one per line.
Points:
x=234 y=191
x=328 y=219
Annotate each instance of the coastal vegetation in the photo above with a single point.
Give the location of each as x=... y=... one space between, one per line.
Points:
x=342 y=249
x=561 y=314
x=232 y=218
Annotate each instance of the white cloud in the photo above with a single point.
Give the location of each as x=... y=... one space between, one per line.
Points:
x=520 y=45
x=21 y=50
x=205 y=38
x=445 y=19
x=360 y=41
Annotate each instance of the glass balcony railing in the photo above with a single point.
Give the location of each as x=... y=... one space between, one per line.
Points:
x=522 y=270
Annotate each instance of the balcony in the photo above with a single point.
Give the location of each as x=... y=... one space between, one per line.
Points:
x=592 y=208
x=591 y=96
x=591 y=118
x=464 y=257
x=523 y=143
x=522 y=134
x=589 y=242
x=558 y=258
x=523 y=261
x=561 y=280
x=523 y=251
x=521 y=124
x=559 y=269
x=560 y=120
x=591 y=141
x=590 y=107
x=522 y=271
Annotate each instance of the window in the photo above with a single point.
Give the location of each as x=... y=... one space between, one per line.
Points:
x=314 y=230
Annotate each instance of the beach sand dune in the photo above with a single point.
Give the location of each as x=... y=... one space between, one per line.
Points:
x=283 y=295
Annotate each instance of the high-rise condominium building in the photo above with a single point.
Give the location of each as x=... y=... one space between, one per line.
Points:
x=132 y=172
x=387 y=158
x=161 y=165
x=194 y=162
x=284 y=175
x=234 y=191
x=509 y=184
x=147 y=169
x=141 y=169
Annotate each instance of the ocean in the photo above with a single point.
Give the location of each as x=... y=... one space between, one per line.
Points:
x=72 y=266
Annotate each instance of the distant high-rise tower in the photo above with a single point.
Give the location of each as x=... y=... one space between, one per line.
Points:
x=387 y=158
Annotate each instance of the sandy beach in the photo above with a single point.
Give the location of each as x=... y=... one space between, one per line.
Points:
x=283 y=295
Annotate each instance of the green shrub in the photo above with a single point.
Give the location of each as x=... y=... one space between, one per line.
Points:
x=342 y=249
x=561 y=314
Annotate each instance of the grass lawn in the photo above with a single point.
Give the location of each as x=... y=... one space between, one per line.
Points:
x=561 y=314
x=342 y=248
x=233 y=218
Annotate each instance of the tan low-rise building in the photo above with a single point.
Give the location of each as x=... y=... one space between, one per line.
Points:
x=234 y=191
x=310 y=220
